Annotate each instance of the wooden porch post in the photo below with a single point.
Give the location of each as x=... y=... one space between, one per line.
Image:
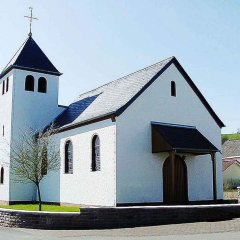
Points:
x=213 y=156
x=172 y=159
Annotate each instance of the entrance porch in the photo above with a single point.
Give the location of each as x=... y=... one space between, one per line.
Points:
x=175 y=140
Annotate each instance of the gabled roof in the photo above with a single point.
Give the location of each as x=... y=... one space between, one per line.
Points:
x=114 y=97
x=30 y=57
x=231 y=148
x=229 y=162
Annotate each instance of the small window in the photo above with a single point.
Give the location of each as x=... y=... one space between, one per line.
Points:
x=3 y=87
x=29 y=83
x=68 y=157
x=3 y=132
x=44 y=165
x=42 y=85
x=7 y=85
x=95 y=153
x=2 y=176
x=173 y=89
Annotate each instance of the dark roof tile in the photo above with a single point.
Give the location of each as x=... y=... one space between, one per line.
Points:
x=184 y=138
x=31 y=57
x=73 y=111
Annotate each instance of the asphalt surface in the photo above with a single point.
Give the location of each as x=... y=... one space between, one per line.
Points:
x=229 y=230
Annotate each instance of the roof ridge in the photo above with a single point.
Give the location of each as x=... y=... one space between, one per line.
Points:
x=230 y=159
x=108 y=83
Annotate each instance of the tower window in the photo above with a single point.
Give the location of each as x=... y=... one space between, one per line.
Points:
x=68 y=157
x=95 y=153
x=7 y=85
x=173 y=89
x=29 y=83
x=3 y=87
x=2 y=176
x=3 y=132
x=42 y=85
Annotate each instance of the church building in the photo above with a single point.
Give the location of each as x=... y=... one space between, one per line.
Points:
x=148 y=137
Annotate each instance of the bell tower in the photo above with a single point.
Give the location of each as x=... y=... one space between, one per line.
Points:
x=28 y=99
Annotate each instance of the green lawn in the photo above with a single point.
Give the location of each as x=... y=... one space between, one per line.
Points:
x=232 y=136
x=45 y=207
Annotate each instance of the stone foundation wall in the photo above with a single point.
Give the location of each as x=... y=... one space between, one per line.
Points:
x=100 y=218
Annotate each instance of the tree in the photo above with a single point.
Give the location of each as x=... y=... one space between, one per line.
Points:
x=33 y=155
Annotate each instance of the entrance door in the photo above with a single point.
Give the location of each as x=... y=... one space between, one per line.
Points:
x=180 y=193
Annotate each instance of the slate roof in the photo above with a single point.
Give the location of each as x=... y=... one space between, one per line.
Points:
x=73 y=111
x=183 y=138
x=229 y=162
x=114 y=97
x=31 y=57
x=231 y=148
x=111 y=98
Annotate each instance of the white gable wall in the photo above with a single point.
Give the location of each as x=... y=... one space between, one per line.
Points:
x=139 y=172
x=85 y=187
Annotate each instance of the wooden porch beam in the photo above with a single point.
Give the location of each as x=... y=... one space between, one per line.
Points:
x=214 y=182
x=172 y=159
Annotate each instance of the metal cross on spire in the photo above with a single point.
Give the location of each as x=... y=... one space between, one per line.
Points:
x=31 y=18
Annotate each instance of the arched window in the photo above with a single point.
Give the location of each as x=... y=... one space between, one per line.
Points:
x=2 y=176
x=95 y=153
x=173 y=89
x=44 y=165
x=29 y=83
x=42 y=85
x=68 y=157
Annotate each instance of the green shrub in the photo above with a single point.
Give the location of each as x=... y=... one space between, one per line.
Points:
x=231 y=184
x=224 y=139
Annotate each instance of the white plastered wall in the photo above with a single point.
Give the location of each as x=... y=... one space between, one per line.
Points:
x=33 y=110
x=85 y=187
x=5 y=120
x=139 y=172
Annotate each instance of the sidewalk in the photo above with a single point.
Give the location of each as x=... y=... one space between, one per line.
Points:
x=201 y=230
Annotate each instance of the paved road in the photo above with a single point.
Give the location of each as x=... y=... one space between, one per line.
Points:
x=223 y=230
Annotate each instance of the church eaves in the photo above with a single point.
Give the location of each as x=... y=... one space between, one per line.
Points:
x=30 y=57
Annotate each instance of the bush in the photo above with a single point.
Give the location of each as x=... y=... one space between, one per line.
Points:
x=231 y=184
x=224 y=139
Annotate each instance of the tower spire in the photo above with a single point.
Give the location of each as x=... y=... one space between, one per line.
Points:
x=31 y=18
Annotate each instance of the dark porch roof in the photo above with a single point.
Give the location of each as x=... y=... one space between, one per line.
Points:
x=179 y=138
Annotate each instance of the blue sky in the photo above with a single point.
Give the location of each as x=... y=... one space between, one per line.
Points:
x=94 y=42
